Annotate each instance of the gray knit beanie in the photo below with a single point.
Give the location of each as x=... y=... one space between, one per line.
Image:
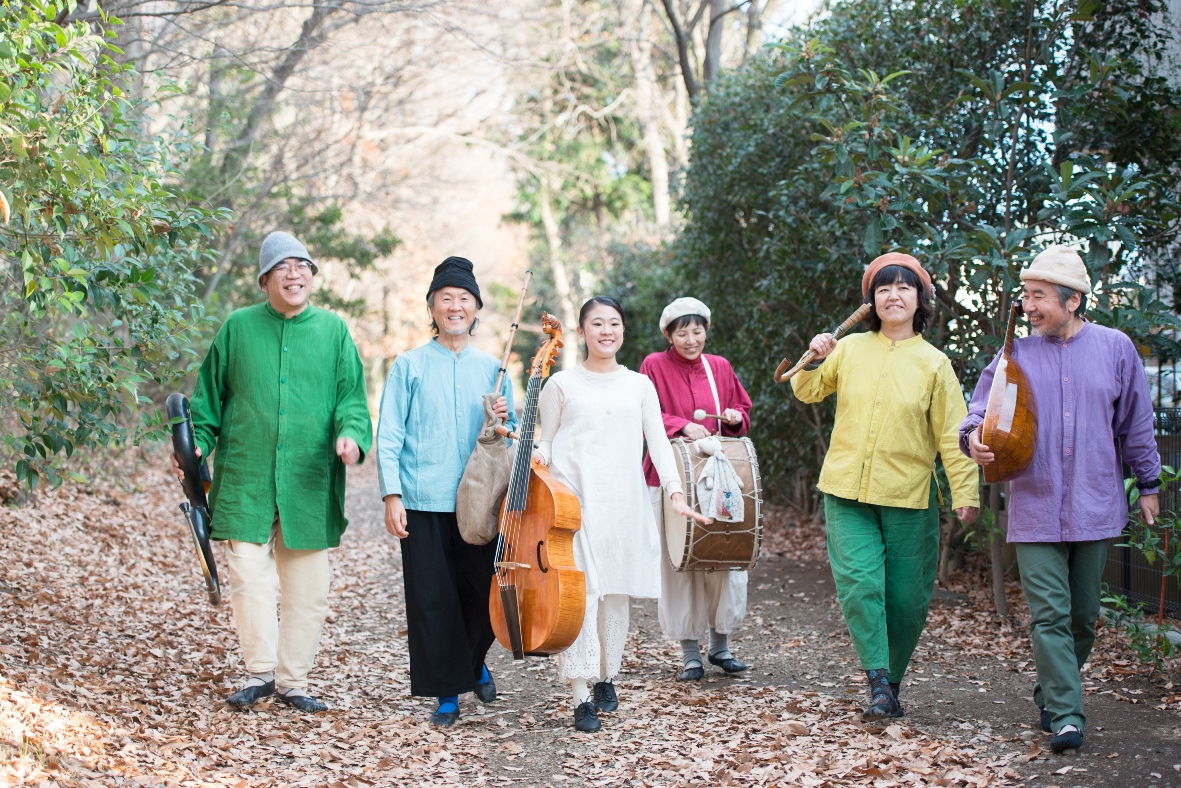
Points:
x=276 y=248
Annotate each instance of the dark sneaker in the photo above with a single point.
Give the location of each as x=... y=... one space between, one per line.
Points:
x=1071 y=740
x=883 y=704
x=250 y=694
x=605 y=697
x=692 y=673
x=586 y=719
x=1046 y=720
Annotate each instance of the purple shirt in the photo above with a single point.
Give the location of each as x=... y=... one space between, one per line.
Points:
x=1092 y=400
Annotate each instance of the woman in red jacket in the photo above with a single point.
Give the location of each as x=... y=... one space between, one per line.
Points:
x=688 y=380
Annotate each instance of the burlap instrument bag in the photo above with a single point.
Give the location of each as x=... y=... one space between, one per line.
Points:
x=484 y=483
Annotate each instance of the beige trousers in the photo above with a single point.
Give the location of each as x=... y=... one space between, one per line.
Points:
x=283 y=642
x=692 y=602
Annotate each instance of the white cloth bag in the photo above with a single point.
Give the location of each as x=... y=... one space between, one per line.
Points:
x=719 y=490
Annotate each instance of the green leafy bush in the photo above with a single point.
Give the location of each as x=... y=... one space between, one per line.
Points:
x=970 y=134
x=96 y=295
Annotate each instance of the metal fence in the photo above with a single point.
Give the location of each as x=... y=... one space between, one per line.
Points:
x=1127 y=572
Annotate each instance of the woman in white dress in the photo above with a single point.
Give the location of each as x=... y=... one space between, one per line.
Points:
x=594 y=420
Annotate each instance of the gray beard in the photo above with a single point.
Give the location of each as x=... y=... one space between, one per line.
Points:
x=456 y=332
x=1044 y=331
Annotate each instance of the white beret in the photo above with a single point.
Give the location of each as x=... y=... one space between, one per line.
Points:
x=680 y=308
x=1059 y=265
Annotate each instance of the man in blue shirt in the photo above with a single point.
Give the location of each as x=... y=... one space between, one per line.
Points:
x=431 y=415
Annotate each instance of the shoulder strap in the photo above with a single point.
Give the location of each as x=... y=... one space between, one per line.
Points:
x=713 y=387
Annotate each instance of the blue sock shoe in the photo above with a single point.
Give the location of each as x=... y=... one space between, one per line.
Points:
x=485 y=676
x=448 y=704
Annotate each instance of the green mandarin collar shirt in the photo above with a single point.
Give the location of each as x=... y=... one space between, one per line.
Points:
x=273 y=395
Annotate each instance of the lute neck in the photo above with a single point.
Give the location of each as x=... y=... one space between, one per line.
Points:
x=1012 y=327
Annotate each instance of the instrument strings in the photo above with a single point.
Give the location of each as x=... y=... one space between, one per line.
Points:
x=518 y=488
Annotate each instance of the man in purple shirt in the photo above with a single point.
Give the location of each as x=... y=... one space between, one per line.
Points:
x=1093 y=409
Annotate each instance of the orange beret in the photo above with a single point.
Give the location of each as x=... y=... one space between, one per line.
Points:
x=894 y=258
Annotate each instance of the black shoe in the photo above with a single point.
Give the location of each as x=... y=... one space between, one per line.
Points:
x=605 y=697
x=883 y=705
x=1071 y=740
x=444 y=719
x=305 y=703
x=486 y=692
x=586 y=719
x=896 y=690
x=692 y=673
x=251 y=694
x=1045 y=721
x=728 y=664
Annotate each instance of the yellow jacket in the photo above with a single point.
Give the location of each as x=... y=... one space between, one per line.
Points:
x=898 y=405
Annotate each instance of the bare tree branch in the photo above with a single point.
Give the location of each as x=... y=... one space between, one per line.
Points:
x=682 y=38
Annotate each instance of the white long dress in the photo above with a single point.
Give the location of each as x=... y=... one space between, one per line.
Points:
x=593 y=431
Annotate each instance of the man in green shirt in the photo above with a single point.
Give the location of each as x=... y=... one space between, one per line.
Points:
x=281 y=396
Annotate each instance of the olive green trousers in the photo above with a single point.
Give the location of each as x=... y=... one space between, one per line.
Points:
x=883 y=561
x=1062 y=582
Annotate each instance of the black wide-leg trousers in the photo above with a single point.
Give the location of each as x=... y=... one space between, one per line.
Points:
x=447 y=584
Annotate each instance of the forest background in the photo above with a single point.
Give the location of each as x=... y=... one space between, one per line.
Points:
x=754 y=154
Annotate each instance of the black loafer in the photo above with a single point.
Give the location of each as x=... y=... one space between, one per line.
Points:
x=1071 y=740
x=586 y=719
x=305 y=703
x=249 y=695
x=444 y=719
x=729 y=664
x=486 y=692
x=1045 y=721
x=605 y=697
x=694 y=673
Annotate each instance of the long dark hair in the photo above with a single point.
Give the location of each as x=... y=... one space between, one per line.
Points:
x=893 y=274
x=604 y=301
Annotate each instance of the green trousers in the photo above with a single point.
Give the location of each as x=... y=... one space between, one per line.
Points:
x=1061 y=582
x=883 y=560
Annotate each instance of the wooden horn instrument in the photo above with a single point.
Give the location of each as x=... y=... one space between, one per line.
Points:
x=783 y=374
x=1009 y=429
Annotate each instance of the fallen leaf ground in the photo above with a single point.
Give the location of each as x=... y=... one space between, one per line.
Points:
x=113 y=665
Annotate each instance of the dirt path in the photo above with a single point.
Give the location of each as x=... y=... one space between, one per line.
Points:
x=112 y=666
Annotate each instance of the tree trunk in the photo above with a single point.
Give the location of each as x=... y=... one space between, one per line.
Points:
x=553 y=240
x=683 y=39
x=640 y=49
x=260 y=112
x=713 y=41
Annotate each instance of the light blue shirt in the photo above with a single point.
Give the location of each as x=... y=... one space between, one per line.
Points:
x=432 y=411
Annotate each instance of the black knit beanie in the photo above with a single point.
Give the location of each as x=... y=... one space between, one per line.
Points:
x=455 y=272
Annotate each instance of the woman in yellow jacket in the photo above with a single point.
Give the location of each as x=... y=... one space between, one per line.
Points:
x=898 y=405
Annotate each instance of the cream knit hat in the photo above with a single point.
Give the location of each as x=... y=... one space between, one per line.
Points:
x=680 y=308
x=1059 y=265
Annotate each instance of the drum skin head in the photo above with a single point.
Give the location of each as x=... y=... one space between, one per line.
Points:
x=719 y=545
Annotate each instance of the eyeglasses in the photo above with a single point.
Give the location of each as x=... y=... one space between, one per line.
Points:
x=302 y=266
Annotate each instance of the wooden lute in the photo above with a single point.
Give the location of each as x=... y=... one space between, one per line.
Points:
x=1010 y=421
x=538 y=595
